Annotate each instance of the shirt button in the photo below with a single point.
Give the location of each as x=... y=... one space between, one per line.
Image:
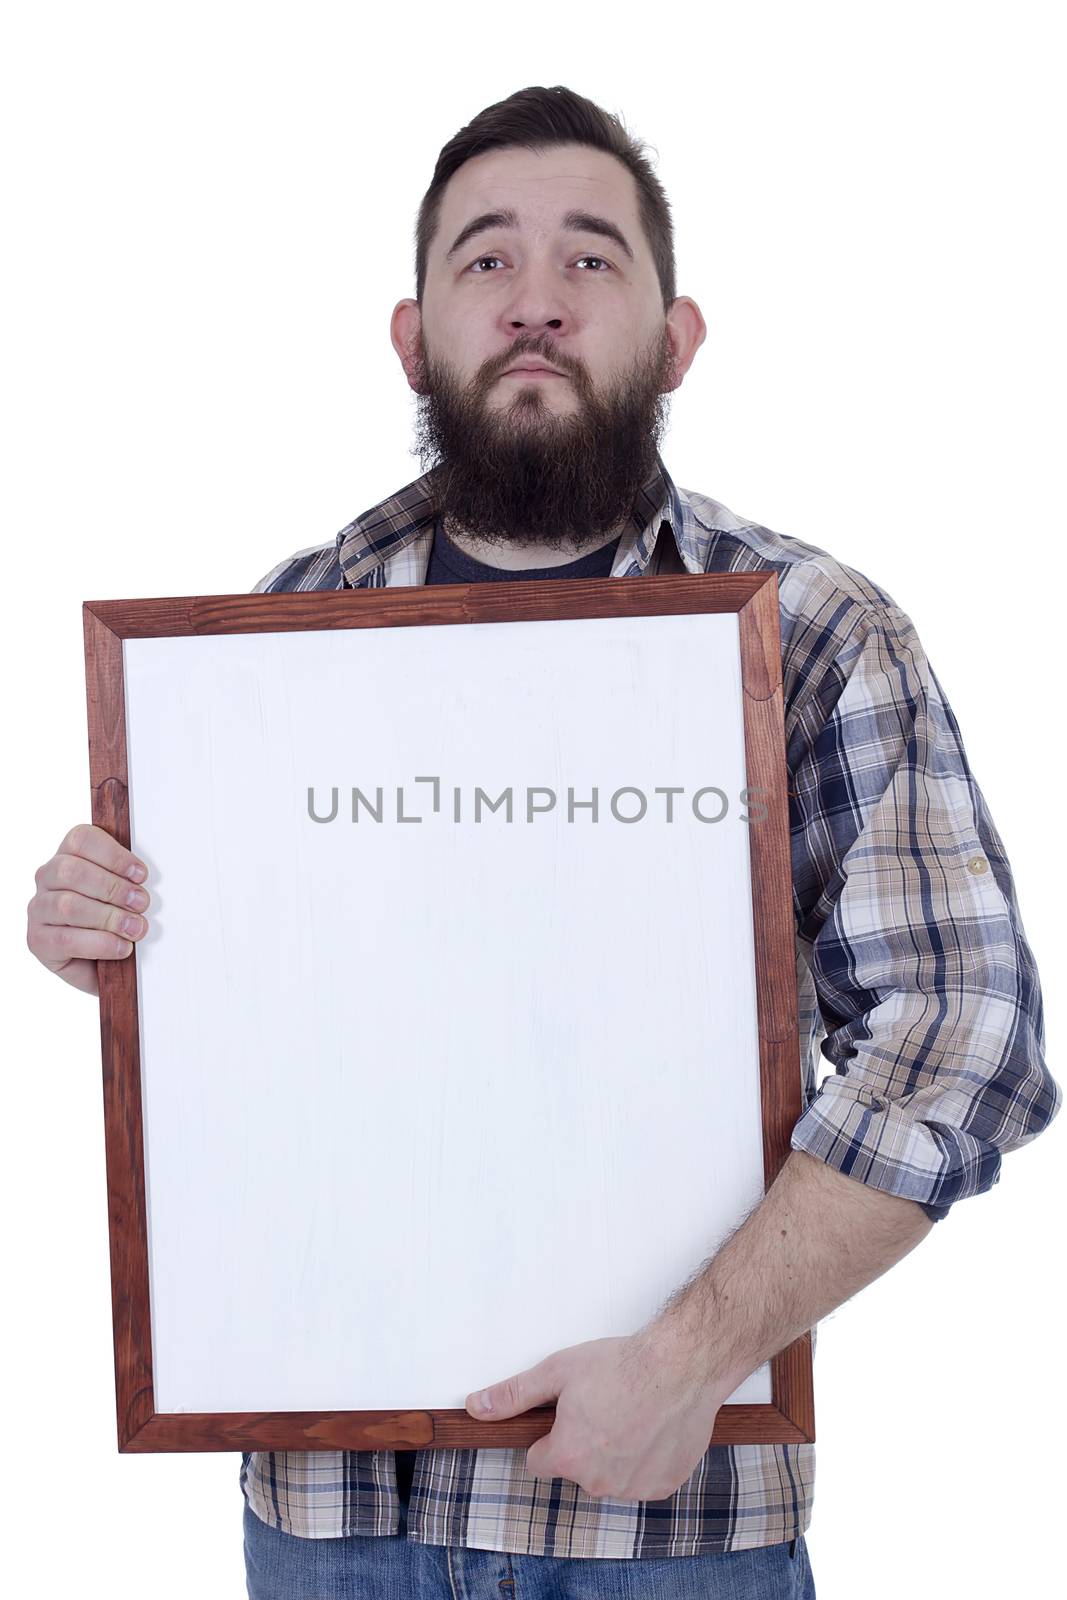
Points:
x=978 y=864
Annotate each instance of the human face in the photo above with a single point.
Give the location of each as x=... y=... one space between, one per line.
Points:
x=570 y=282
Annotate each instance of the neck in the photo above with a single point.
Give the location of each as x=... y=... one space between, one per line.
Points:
x=519 y=558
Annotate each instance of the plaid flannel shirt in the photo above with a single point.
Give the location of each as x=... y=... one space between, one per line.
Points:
x=914 y=978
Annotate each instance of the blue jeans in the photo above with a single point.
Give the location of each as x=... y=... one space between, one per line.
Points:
x=280 y=1566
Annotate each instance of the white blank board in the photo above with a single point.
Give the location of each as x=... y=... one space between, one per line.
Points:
x=425 y=1102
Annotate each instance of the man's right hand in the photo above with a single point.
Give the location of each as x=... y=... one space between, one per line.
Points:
x=85 y=893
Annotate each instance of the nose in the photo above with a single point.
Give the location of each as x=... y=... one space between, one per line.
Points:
x=539 y=340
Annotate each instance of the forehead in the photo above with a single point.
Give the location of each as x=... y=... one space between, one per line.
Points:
x=540 y=186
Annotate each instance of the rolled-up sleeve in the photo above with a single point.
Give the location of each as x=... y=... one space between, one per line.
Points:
x=907 y=916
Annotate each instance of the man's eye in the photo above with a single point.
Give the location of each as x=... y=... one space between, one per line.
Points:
x=497 y=258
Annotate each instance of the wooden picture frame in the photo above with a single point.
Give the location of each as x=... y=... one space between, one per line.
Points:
x=108 y=625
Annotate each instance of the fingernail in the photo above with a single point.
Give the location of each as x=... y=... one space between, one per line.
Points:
x=136 y=872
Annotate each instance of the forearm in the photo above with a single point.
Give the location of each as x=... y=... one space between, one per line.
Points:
x=815 y=1239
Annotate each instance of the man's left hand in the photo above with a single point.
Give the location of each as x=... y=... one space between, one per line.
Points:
x=633 y=1416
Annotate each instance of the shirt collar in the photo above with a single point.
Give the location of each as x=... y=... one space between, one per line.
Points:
x=396 y=535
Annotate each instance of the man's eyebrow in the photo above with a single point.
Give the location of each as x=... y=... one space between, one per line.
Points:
x=573 y=221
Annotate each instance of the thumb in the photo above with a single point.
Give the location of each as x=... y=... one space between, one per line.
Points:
x=537 y=1386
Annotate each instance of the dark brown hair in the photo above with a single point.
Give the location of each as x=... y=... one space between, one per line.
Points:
x=534 y=119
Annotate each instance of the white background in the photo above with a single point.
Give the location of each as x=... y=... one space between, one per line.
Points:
x=209 y=215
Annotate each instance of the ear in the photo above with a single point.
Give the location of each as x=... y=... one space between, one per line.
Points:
x=686 y=331
x=405 y=331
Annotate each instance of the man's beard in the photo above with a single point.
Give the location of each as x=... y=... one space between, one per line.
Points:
x=523 y=474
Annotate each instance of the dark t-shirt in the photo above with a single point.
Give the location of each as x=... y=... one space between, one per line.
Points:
x=450 y=564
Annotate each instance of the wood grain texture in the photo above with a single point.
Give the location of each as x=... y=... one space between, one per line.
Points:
x=774 y=938
x=403 y=606
x=120 y=1052
x=412 y=1430
x=754 y=598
